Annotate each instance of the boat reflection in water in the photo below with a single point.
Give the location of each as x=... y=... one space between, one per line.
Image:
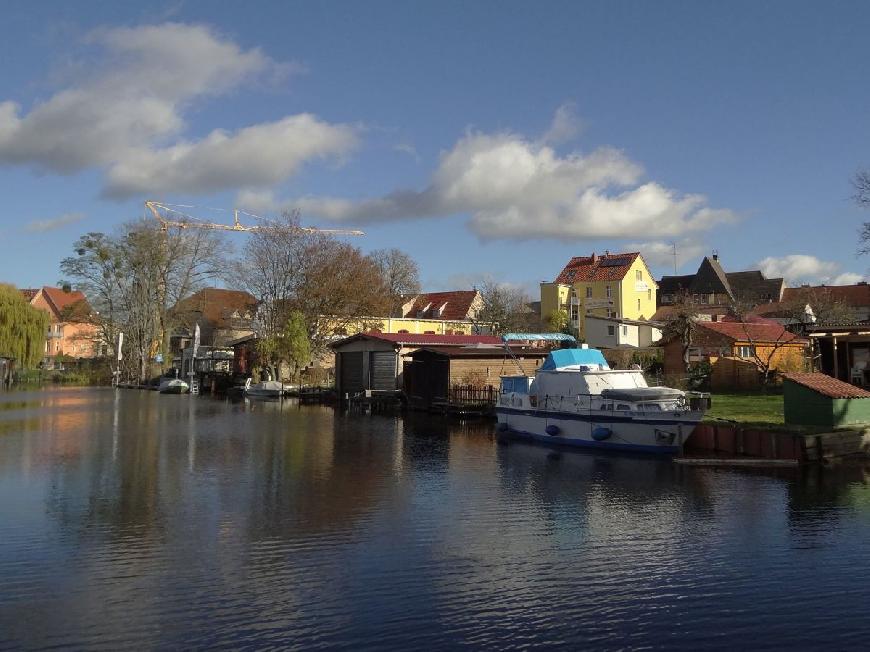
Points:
x=134 y=521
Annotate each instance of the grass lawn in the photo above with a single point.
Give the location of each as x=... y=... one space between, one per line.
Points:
x=747 y=408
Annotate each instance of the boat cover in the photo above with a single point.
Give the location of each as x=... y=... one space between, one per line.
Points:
x=560 y=358
x=636 y=394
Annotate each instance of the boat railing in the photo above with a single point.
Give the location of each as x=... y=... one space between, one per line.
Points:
x=596 y=402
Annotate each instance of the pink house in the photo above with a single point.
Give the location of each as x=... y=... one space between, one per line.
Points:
x=67 y=334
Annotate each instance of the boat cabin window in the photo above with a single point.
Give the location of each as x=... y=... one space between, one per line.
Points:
x=651 y=407
x=624 y=407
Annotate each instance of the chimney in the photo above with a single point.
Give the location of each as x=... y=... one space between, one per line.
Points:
x=607 y=252
x=594 y=257
x=715 y=255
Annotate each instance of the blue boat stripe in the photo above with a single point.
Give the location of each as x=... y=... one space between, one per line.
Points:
x=584 y=443
x=594 y=418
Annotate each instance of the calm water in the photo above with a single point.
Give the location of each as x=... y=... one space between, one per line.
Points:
x=131 y=519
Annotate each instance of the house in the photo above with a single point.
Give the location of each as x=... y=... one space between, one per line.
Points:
x=434 y=370
x=615 y=332
x=68 y=332
x=855 y=299
x=735 y=351
x=712 y=289
x=376 y=360
x=608 y=285
x=432 y=313
x=222 y=315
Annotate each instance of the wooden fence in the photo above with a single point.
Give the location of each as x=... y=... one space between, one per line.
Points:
x=470 y=395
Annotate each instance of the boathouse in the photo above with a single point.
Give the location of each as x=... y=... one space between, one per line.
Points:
x=446 y=374
x=375 y=361
x=814 y=399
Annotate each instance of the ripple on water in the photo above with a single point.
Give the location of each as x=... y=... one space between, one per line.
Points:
x=133 y=520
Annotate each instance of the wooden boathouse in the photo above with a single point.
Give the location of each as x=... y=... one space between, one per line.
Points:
x=450 y=378
x=376 y=361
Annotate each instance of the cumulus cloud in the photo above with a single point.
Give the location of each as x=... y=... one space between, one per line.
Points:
x=41 y=226
x=514 y=187
x=128 y=117
x=802 y=268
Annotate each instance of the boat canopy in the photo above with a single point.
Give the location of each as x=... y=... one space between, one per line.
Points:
x=561 y=358
x=552 y=337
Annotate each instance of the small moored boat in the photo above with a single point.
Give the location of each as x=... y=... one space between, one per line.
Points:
x=265 y=389
x=173 y=386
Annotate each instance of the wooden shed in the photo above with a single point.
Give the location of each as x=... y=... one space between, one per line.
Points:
x=375 y=361
x=434 y=371
x=814 y=399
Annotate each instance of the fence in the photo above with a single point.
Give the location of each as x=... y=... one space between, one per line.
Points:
x=471 y=395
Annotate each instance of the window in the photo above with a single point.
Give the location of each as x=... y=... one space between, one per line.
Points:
x=589 y=292
x=625 y=330
x=624 y=407
x=403 y=330
x=638 y=275
x=609 y=292
x=746 y=351
x=611 y=330
x=575 y=312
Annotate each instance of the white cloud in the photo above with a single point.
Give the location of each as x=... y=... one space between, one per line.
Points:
x=128 y=117
x=41 y=226
x=801 y=268
x=565 y=126
x=517 y=188
x=407 y=148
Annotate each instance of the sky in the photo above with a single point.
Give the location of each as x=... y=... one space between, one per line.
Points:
x=488 y=140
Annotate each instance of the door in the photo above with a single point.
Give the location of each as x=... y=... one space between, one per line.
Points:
x=351 y=371
x=382 y=370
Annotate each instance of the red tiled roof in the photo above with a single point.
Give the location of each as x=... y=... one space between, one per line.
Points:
x=457 y=305
x=827 y=386
x=852 y=295
x=217 y=305
x=609 y=267
x=417 y=339
x=59 y=300
x=762 y=330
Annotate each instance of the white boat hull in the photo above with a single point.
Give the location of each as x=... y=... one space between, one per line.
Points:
x=173 y=386
x=651 y=432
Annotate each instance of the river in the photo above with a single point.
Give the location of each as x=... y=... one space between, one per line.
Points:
x=131 y=519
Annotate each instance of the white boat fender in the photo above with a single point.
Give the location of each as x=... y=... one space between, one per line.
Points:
x=601 y=433
x=552 y=430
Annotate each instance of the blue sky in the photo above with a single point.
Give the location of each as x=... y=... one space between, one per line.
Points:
x=486 y=139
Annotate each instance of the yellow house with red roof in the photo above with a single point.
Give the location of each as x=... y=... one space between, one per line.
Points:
x=610 y=285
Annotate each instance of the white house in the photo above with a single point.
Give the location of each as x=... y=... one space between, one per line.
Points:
x=613 y=332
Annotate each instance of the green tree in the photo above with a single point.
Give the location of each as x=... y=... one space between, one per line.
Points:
x=22 y=328
x=290 y=345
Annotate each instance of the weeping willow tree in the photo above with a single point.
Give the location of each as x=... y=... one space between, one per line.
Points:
x=22 y=328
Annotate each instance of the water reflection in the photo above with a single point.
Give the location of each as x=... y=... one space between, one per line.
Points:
x=134 y=519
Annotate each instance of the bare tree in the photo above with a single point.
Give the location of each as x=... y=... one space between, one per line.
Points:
x=134 y=278
x=861 y=184
x=400 y=274
x=763 y=351
x=682 y=324
x=505 y=309
x=330 y=284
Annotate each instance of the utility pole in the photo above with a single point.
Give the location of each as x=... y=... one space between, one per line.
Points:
x=675 y=257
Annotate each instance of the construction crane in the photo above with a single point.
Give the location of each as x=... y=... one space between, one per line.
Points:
x=188 y=221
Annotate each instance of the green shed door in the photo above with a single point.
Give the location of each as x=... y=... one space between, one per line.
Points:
x=382 y=368
x=351 y=372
